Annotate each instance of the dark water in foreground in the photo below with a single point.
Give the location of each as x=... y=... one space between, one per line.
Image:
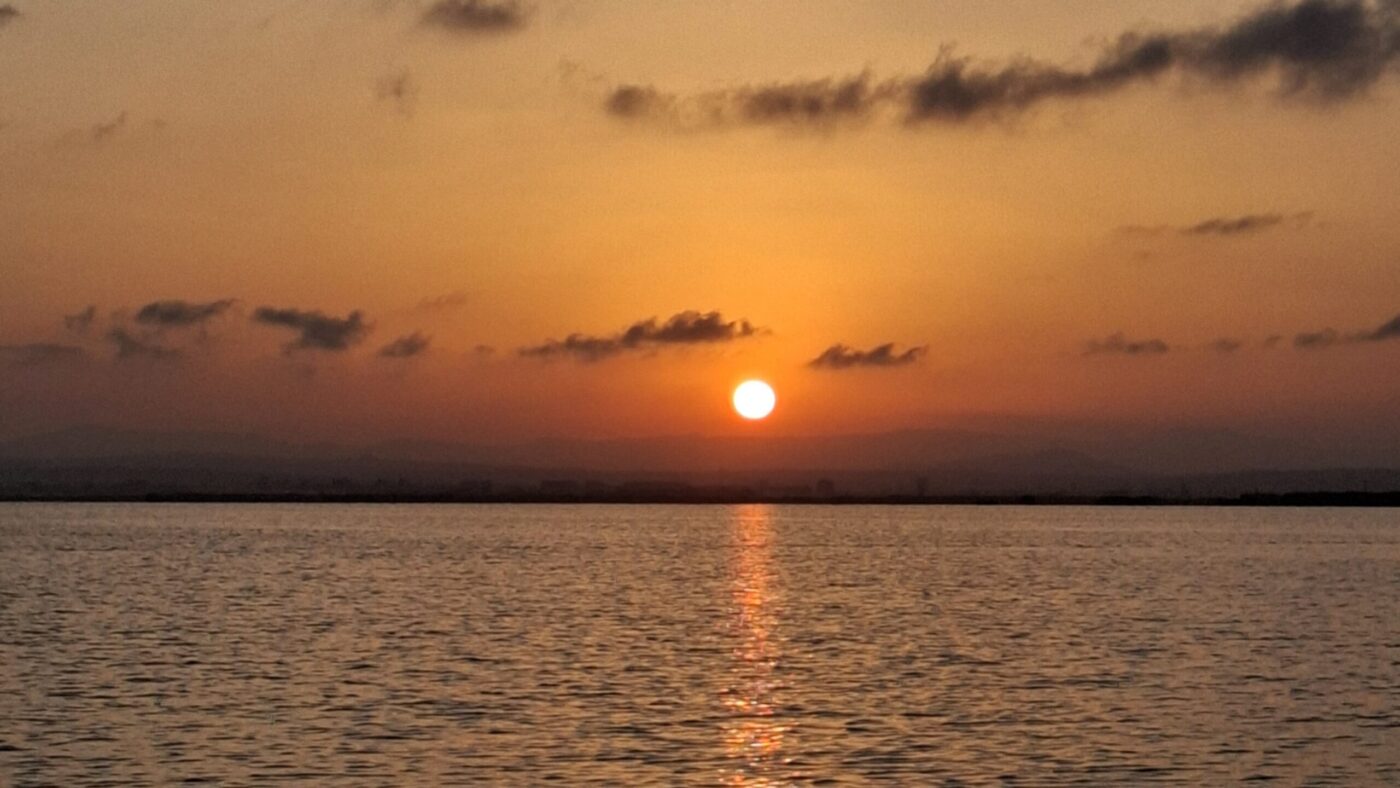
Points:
x=397 y=645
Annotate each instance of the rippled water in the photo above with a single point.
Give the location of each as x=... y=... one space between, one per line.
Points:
x=744 y=645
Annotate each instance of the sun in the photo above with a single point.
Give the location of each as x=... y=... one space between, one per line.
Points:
x=754 y=399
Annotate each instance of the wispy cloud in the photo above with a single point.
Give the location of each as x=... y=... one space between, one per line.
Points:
x=1234 y=226
x=1120 y=345
x=134 y=346
x=181 y=314
x=1329 y=337
x=1224 y=226
x=101 y=132
x=843 y=357
x=406 y=346
x=1323 y=50
x=399 y=89
x=684 y=328
x=444 y=303
x=1315 y=340
x=80 y=321
x=1387 y=330
x=818 y=102
x=316 y=330
x=118 y=131
x=477 y=17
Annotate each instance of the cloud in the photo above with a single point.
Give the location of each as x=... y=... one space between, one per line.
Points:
x=1329 y=337
x=316 y=330
x=180 y=314
x=1118 y=344
x=805 y=103
x=101 y=132
x=955 y=90
x=1223 y=226
x=39 y=353
x=1388 y=330
x=1249 y=223
x=1315 y=340
x=120 y=130
x=406 y=346
x=1323 y=50
x=1226 y=345
x=842 y=357
x=684 y=328
x=8 y=14
x=443 y=303
x=81 y=321
x=399 y=89
x=473 y=17
x=131 y=346
x=1242 y=224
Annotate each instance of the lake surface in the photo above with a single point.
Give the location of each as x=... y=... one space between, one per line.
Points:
x=746 y=645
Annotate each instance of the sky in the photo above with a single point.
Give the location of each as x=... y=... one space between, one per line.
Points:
x=483 y=220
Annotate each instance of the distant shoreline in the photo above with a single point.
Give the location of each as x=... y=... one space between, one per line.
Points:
x=1389 y=499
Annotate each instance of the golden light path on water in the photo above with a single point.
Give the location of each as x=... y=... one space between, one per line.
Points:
x=754 y=732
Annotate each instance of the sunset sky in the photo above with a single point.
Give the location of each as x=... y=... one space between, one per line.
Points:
x=485 y=221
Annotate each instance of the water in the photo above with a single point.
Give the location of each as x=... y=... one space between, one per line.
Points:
x=751 y=645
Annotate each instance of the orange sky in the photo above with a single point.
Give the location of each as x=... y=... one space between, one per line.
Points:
x=460 y=176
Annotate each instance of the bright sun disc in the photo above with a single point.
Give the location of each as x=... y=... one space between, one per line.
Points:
x=754 y=399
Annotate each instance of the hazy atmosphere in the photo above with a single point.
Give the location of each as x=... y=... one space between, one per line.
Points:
x=669 y=392
x=494 y=223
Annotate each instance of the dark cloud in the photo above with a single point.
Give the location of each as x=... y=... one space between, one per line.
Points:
x=1330 y=49
x=804 y=103
x=1226 y=345
x=316 y=330
x=132 y=346
x=1248 y=223
x=8 y=14
x=955 y=90
x=1118 y=344
x=637 y=101
x=1389 y=330
x=1242 y=224
x=1328 y=337
x=842 y=357
x=180 y=314
x=477 y=16
x=1327 y=50
x=39 y=353
x=406 y=346
x=81 y=321
x=684 y=328
x=399 y=89
x=1315 y=340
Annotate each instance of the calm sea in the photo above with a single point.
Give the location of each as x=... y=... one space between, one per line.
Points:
x=746 y=645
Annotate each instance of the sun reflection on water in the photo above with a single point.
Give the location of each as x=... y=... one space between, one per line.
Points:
x=754 y=729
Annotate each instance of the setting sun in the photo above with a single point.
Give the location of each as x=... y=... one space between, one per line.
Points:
x=754 y=399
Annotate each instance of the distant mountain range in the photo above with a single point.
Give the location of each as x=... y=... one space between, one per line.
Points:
x=97 y=462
